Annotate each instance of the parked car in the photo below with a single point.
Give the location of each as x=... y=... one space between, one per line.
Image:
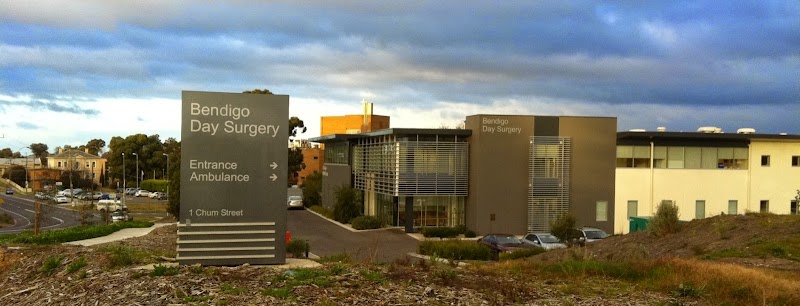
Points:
x=141 y=193
x=119 y=216
x=9 y=191
x=111 y=205
x=156 y=195
x=131 y=190
x=104 y=196
x=591 y=234
x=61 y=199
x=294 y=202
x=40 y=195
x=543 y=240
x=502 y=242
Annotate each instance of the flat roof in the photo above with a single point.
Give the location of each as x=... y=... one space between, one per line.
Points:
x=332 y=138
x=712 y=139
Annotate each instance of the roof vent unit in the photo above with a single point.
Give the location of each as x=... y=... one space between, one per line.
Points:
x=709 y=129
x=637 y=130
x=661 y=129
x=746 y=131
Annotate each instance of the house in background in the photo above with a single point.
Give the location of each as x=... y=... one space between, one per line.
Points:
x=87 y=165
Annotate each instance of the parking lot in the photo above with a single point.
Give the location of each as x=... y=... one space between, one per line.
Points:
x=327 y=238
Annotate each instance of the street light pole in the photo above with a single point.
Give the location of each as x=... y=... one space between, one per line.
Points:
x=167 y=155
x=137 y=169
x=124 y=186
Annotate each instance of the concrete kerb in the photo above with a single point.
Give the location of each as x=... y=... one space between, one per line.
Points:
x=291 y=263
x=441 y=260
x=347 y=226
x=122 y=234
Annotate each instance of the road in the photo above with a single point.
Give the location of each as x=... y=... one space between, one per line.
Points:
x=22 y=211
x=327 y=238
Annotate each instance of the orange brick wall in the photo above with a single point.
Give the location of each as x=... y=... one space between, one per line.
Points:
x=312 y=158
x=340 y=124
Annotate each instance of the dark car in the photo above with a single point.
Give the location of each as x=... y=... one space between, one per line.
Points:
x=9 y=191
x=502 y=242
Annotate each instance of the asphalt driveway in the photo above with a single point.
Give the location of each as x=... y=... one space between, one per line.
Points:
x=327 y=238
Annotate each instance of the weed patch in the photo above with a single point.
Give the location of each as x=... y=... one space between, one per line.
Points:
x=51 y=263
x=121 y=256
x=281 y=293
x=162 y=270
x=76 y=265
x=231 y=289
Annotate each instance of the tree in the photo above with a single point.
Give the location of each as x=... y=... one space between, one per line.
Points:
x=150 y=153
x=8 y=153
x=312 y=190
x=40 y=150
x=259 y=91
x=95 y=146
x=16 y=174
x=174 y=174
x=564 y=229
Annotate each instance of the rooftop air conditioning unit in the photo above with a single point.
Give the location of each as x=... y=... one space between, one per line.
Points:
x=661 y=129
x=746 y=131
x=637 y=130
x=709 y=129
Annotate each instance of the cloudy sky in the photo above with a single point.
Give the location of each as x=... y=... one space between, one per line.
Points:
x=71 y=71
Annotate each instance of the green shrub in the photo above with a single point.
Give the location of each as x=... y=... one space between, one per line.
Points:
x=298 y=248
x=312 y=189
x=521 y=253
x=564 y=229
x=120 y=256
x=162 y=270
x=70 y=234
x=440 y=232
x=154 y=185
x=455 y=249
x=666 y=219
x=51 y=263
x=366 y=222
x=76 y=265
x=348 y=204
x=322 y=210
x=470 y=234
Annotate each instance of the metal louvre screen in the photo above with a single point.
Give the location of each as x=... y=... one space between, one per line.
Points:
x=411 y=167
x=549 y=180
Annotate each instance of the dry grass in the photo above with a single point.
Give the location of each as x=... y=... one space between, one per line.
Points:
x=733 y=284
x=147 y=207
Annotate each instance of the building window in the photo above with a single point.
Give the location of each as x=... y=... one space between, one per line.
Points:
x=765 y=160
x=793 y=207
x=764 y=206
x=316 y=157
x=633 y=208
x=795 y=161
x=699 y=209
x=59 y=164
x=602 y=211
x=733 y=207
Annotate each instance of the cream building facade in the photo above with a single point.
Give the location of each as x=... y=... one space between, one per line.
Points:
x=705 y=174
x=88 y=165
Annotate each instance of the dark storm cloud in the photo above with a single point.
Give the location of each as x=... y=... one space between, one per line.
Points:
x=662 y=53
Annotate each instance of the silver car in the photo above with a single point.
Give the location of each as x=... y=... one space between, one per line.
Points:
x=591 y=234
x=294 y=202
x=543 y=240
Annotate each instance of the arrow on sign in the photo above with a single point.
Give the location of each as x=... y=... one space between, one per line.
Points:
x=273 y=165
x=273 y=177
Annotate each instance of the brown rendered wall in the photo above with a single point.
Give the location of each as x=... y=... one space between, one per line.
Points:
x=341 y=124
x=498 y=163
x=498 y=174
x=594 y=152
x=334 y=176
x=312 y=158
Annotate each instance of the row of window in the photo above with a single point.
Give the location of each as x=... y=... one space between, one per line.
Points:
x=682 y=157
x=765 y=160
x=700 y=208
x=77 y=165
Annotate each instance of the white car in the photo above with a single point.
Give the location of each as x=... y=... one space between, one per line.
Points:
x=294 y=202
x=155 y=195
x=543 y=240
x=142 y=193
x=61 y=199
